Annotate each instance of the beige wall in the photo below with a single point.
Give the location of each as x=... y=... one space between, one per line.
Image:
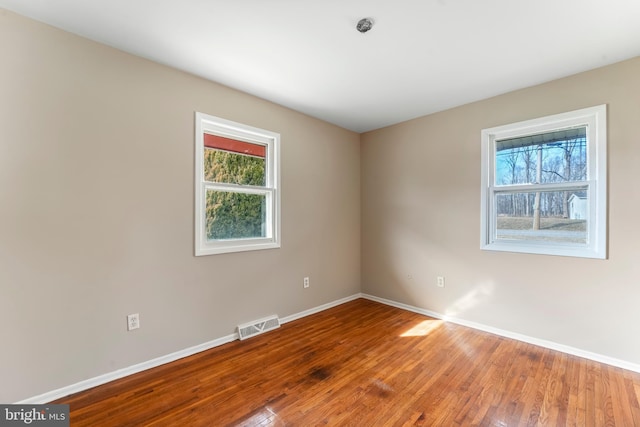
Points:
x=421 y=219
x=96 y=212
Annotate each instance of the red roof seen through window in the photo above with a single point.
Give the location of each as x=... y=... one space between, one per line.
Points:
x=233 y=145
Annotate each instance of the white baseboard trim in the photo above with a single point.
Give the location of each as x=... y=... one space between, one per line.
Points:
x=130 y=370
x=319 y=308
x=513 y=335
x=134 y=369
x=139 y=367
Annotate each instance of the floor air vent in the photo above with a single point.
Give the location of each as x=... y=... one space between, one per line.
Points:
x=257 y=327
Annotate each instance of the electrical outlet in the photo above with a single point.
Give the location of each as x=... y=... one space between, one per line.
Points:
x=305 y=282
x=133 y=321
x=440 y=281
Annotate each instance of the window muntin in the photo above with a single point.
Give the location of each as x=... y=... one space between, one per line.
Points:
x=237 y=195
x=544 y=185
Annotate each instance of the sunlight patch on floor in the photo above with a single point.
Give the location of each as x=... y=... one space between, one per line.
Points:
x=423 y=328
x=264 y=418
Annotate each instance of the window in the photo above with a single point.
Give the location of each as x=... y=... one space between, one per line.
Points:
x=237 y=187
x=544 y=185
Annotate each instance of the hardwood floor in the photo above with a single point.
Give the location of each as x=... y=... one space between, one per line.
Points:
x=367 y=364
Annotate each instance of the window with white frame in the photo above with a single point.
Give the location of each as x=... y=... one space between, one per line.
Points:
x=544 y=188
x=237 y=187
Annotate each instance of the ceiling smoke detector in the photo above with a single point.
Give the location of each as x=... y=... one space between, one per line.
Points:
x=364 y=25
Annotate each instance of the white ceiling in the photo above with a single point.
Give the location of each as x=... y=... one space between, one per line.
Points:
x=421 y=56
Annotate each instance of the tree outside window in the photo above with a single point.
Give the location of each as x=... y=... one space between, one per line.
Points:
x=544 y=185
x=237 y=207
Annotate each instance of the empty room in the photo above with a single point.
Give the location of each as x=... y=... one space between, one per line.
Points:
x=319 y=213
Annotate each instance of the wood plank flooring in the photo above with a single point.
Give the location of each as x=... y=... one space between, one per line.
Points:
x=367 y=364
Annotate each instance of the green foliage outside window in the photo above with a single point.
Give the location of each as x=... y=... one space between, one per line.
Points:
x=234 y=215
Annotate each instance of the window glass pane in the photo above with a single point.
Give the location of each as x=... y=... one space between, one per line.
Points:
x=232 y=215
x=561 y=217
x=231 y=161
x=557 y=156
